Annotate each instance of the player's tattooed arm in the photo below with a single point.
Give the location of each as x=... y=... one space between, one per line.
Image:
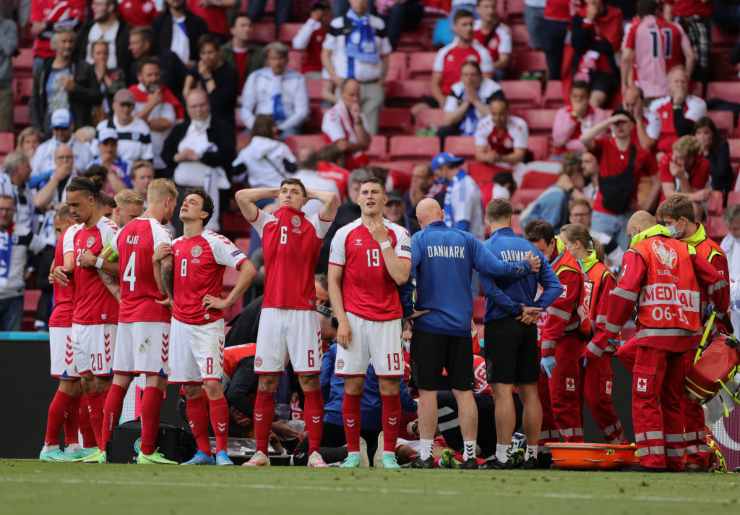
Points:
x=111 y=283
x=330 y=202
x=247 y=200
x=167 y=276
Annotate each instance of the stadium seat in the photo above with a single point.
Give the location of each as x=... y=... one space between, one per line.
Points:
x=523 y=93
x=312 y=141
x=414 y=147
x=263 y=32
x=428 y=119
x=398 y=66
x=540 y=146
x=23 y=62
x=723 y=120
x=539 y=121
x=420 y=65
x=734 y=150
x=462 y=146
x=519 y=37
x=529 y=61
x=21 y=115
x=314 y=87
x=295 y=60
x=714 y=203
x=288 y=31
x=395 y=120
x=553 y=97
x=729 y=91
x=7 y=142
x=716 y=227
x=23 y=90
x=513 y=9
x=378 y=147
x=233 y=225
x=410 y=91
x=535 y=180
x=523 y=197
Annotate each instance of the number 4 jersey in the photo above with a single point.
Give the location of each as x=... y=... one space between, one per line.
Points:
x=135 y=244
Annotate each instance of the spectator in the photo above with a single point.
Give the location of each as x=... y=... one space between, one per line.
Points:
x=48 y=16
x=179 y=31
x=199 y=151
x=142 y=173
x=323 y=161
x=276 y=91
x=646 y=61
x=589 y=55
x=213 y=13
x=633 y=101
x=110 y=80
x=267 y=161
x=695 y=17
x=17 y=170
x=448 y=63
x=357 y=47
x=534 y=17
x=573 y=119
x=311 y=39
x=422 y=178
x=557 y=17
x=215 y=77
x=312 y=180
x=345 y=126
x=501 y=139
x=105 y=25
x=61 y=133
x=112 y=169
x=677 y=112
x=622 y=166
x=28 y=141
x=12 y=269
x=731 y=246
x=243 y=56
x=141 y=46
x=138 y=13
x=468 y=101
x=8 y=45
x=395 y=211
x=156 y=105
x=462 y=201
x=282 y=11
x=491 y=32
x=133 y=135
x=685 y=170
x=61 y=83
x=400 y=16
x=580 y=213
x=716 y=149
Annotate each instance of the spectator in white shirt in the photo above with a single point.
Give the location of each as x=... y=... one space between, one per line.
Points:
x=277 y=91
x=574 y=119
x=731 y=246
x=134 y=136
x=501 y=139
x=105 y=25
x=345 y=126
x=266 y=161
x=61 y=132
x=357 y=47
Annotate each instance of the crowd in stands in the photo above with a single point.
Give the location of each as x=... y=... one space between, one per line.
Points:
x=576 y=111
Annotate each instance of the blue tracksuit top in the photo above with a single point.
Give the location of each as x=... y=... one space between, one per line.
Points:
x=507 y=294
x=442 y=262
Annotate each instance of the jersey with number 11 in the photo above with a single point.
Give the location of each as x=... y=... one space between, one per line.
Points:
x=135 y=244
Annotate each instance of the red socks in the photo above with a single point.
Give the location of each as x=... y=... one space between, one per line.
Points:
x=313 y=415
x=88 y=435
x=72 y=421
x=96 y=401
x=351 y=418
x=198 y=418
x=152 y=402
x=391 y=421
x=111 y=413
x=220 y=422
x=264 y=410
x=56 y=415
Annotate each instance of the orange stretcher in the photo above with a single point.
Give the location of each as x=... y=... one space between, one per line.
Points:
x=592 y=456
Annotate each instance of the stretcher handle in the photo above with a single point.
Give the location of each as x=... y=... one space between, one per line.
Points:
x=705 y=337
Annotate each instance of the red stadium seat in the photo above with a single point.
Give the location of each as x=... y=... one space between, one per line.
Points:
x=716 y=227
x=523 y=197
x=312 y=141
x=23 y=62
x=22 y=115
x=714 y=204
x=532 y=60
x=420 y=65
x=414 y=147
x=295 y=59
x=7 y=142
x=408 y=90
x=263 y=32
x=725 y=90
x=523 y=93
x=288 y=31
x=428 y=119
x=539 y=121
x=723 y=120
x=378 y=147
x=553 y=97
x=535 y=180
x=395 y=120
x=23 y=90
x=398 y=66
x=519 y=36
x=314 y=87
x=540 y=146
x=233 y=225
x=462 y=146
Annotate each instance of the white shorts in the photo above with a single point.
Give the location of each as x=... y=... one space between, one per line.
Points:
x=142 y=348
x=196 y=352
x=93 y=347
x=61 y=353
x=376 y=343
x=284 y=334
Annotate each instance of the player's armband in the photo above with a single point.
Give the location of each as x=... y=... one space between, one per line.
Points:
x=109 y=254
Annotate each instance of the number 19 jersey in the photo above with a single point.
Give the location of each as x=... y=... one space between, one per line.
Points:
x=135 y=244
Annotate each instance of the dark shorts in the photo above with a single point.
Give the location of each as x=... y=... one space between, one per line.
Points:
x=511 y=352
x=431 y=354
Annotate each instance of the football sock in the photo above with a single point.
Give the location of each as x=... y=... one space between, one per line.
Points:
x=197 y=411
x=55 y=418
x=72 y=422
x=391 y=421
x=351 y=419
x=97 y=401
x=468 y=449
x=264 y=410
x=313 y=415
x=531 y=452
x=88 y=435
x=426 y=448
x=502 y=452
x=220 y=422
x=111 y=413
x=150 y=407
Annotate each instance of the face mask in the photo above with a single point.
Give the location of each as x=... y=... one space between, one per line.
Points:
x=672 y=231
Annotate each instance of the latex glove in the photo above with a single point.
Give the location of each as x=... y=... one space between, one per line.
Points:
x=615 y=343
x=548 y=364
x=584 y=363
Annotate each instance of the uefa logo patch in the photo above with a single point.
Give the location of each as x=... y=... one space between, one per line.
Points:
x=340 y=364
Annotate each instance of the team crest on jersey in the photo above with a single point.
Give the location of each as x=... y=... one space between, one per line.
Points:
x=196 y=251
x=642 y=384
x=665 y=255
x=90 y=241
x=295 y=221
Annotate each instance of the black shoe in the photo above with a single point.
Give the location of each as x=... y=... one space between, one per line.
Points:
x=495 y=464
x=529 y=463
x=469 y=464
x=418 y=463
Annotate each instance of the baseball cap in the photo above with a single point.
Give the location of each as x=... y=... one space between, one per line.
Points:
x=320 y=4
x=61 y=119
x=106 y=133
x=446 y=159
x=124 y=96
x=394 y=196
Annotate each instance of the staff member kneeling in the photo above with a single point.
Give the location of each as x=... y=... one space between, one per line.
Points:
x=443 y=260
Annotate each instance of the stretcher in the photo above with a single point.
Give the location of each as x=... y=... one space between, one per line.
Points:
x=592 y=456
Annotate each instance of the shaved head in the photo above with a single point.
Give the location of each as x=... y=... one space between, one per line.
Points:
x=640 y=221
x=428 y=211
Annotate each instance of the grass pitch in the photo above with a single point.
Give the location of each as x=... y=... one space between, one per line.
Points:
x=31 y=487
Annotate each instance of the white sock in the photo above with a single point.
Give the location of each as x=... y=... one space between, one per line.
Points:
x=468 y=449
x=426 y=448
x=353 y=453
x=531 y=452
x=48 y=448
x=73 y=447
x=502 y=452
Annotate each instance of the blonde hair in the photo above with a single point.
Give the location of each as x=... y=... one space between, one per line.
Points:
x=159 y=189
x=25 y=133
x=687 y=146
x=578 y=232
x=129 y=197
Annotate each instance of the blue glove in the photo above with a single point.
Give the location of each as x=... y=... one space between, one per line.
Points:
x=548 y=364
x=584 y=362
x=616 y=343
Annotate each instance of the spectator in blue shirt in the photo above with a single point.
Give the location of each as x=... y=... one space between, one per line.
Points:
x=511 y=335
x=462 y=200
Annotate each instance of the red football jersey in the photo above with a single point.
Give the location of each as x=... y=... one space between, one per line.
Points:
x=137 y=13
x=135 y=244
x=63 y=295
x=451 y=58
x=291 y=243
x=93 y=303
x=199 y=263
x=368 y=289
